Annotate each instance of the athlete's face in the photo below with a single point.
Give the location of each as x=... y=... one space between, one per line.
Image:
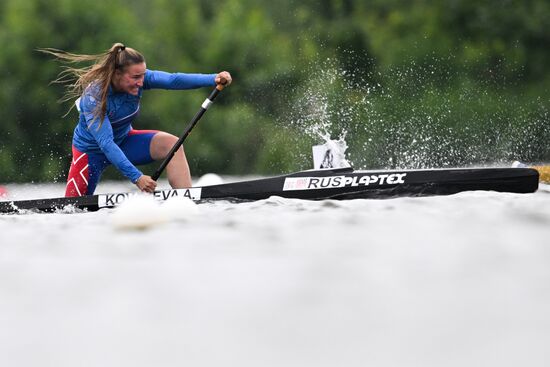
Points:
x=130 y=79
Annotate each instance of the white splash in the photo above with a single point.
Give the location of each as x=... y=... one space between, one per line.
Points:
x=209 y=179
x=138 y=212
x=179 y=208
x=142 y=212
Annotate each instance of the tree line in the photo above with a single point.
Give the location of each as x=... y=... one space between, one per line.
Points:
x=405 y=84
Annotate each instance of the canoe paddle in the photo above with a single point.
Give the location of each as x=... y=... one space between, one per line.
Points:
x=207 y=102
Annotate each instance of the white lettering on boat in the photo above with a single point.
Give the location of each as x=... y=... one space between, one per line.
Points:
x=316 y=183
x=110 y=200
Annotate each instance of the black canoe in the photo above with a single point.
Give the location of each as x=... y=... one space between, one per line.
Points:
x=339 y=184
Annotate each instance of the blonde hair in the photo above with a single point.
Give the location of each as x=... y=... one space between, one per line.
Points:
x=101 y=72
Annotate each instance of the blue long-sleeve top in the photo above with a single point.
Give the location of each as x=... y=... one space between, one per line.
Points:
x=122 y=108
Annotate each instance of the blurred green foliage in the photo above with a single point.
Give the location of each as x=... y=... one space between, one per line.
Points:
x=406 y=83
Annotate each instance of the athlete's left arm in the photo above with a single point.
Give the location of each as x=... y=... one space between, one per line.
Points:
x=155 y=79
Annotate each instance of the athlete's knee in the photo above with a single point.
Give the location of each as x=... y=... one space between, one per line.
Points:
x=165 y=144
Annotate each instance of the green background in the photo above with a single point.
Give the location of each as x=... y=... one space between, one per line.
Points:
x=406 y=84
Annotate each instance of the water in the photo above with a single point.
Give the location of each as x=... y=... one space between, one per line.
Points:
x=414 y=116
x=461 y=280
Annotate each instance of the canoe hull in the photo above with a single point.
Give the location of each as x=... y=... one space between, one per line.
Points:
x=337 y=184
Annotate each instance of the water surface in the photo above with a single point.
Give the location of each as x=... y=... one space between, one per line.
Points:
x=462 y=280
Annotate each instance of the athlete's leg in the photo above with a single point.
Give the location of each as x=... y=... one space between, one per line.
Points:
x=84 y=173
x=177 y=170
x=77 y=180
x=146 y=146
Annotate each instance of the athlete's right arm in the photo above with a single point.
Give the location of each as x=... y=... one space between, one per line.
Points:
x=103 y=135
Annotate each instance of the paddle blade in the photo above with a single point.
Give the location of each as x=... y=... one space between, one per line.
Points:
x=544 y=173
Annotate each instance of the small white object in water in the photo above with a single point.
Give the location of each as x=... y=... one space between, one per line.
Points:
x=209 y=179
x=179 y=208
x=138 y=212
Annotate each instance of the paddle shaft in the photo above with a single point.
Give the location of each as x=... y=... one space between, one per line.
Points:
x=207 y=102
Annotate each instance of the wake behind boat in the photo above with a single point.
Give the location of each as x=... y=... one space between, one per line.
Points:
x=337 y=184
